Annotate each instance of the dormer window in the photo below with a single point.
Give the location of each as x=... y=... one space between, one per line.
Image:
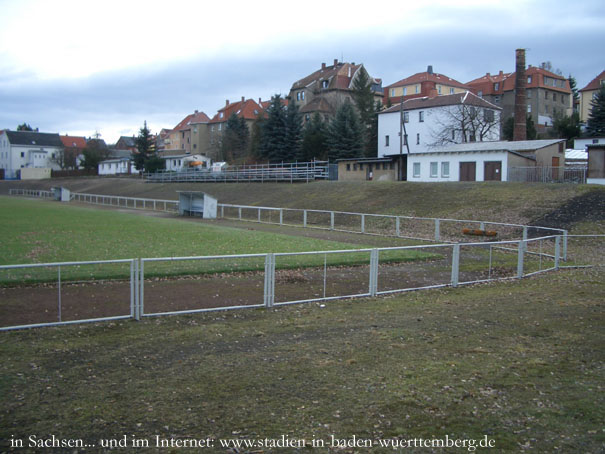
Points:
x=325 y=83
x=529 y=79
x=220 y=115
x=497 y=86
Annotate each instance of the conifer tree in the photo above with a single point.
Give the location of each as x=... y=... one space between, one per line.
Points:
x=273 y=145
x=293 y=133
x=345 y=135
x=235 y=138
x=595 y=126
x=143 y=144
x=364 y=101
x=315 y=139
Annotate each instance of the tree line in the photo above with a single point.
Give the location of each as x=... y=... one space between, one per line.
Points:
x=280 y=135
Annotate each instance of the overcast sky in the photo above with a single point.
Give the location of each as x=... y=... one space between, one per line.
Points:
x=79 y=66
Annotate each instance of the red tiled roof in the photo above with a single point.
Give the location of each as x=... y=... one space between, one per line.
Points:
x=426 y=76
x=318 y=104
x=595 y=83
x=339 y=76
x=467 y=98
x=247 y=108
x=506 y=81
x=199 y=117
x=184 y=124
x=73 y=142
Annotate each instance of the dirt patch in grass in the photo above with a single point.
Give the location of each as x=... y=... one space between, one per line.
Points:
x=589 y=206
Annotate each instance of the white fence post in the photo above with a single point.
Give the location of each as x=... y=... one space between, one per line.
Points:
x=397 y=226
x=520 y=258
x=363 y=223
x=140 y=310
x=437 y=232
x=455 y=264
x=281 y=216
x=304 y=218
x=331 y=220
x=557 y=251
x=565 y=232
x=373 y=272
x=269 y=293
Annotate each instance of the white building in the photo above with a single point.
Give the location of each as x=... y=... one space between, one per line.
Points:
x=27 y=150
x=181 y=162
x=435 y=122
x=117 y=166
x=484 y=161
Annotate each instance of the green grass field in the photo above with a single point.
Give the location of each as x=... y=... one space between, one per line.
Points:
x=36 y=231
x=520 y=362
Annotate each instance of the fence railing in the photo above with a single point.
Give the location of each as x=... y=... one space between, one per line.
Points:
x=51 y=294
x=48 y=294
x=548 y=174
x=136 y=203
x=409 y=227
x=283 y=172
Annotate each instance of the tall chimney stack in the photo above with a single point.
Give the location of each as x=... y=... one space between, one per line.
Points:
x=520 y=129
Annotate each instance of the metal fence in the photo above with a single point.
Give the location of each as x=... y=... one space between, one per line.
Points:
x=548 y=174
x=253 y=173
x=415 y=228
x=136 y=203
x=180 y=285
x=50 y=294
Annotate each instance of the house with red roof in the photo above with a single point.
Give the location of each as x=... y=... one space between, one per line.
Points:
x=329 y=87
x=180 y=136
x=548 y=94
x=426 y=84
x=248 y=109
x=588 y=93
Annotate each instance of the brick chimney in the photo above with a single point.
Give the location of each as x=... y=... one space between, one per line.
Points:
x=323 y=66
x=243 y=98
x=335 y=61
x=520 y=128
x=227 y=102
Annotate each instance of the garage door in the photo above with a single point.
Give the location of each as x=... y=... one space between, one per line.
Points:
x=468 y=171
x=492 y=171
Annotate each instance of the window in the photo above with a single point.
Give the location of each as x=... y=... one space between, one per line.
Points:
x=416 y=171
x=595 y=140
x=434 y=167
x=307 y=117
x=453 y=134
x=405 y=139
x=298 y=96
x=554 y=97
x=528 y=94
x=438 y=89
x=529 y=108
x=497 y=99
x=545 y=95
x=194 y=146
x=23 y=154
x=417 y=89
x=348 y=167
x=418 y=139
x=220 y=126
x=392 y=92
x=421 y=116
x=445 y=170
x=405 y=91
x=325 y=83
x=497 y=86
x=212 y=128
x=529 y=79
x=480 y=94
x=488 y=115
x=302 y=95
x=406 y=117
x=220 y=115
x=354 y=166
x=451 y=90
x=182 y=134
x=386 y=141
x=385 y=165
x=360 y=166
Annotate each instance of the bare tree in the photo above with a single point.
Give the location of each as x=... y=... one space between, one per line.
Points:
x=462 y=123
x=65 y=158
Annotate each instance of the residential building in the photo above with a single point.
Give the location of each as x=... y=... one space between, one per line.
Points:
x=588 y=93
x=548 y=94
x=425 y=84
x=484 y=161
x=180 y=136
x=126 y=143
x=200 y=133
x=430 y=122
x=22 y=150
x=248 y=109
x=163 y=139
x=326 y=89
x=73 y=147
